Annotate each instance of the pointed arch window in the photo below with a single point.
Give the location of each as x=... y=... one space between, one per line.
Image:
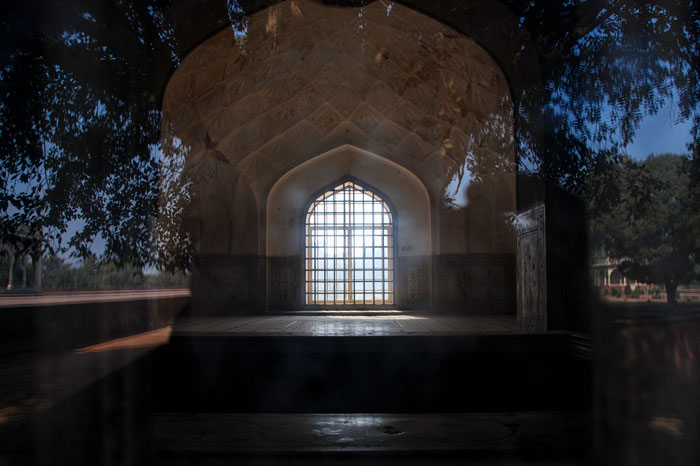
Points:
x=349 y=249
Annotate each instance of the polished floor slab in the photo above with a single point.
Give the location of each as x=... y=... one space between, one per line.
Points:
x=202 y=434
x=33 y=382
x=345 y=325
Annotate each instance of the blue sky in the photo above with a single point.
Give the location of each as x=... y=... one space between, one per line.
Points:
x=659 y=133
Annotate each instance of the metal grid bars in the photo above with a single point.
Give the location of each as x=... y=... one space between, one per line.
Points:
x=349 y=249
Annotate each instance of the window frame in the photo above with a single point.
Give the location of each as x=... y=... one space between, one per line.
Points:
x=394 y=249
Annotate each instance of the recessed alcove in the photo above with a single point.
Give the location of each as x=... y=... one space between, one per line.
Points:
x=405 y=104
x=286 y=209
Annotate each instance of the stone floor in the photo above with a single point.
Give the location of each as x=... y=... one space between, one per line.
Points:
x=34 y=384
x=202 y=436
x=345 y=324
x=31 y=383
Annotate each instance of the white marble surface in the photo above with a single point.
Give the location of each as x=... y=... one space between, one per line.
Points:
x=301 y=84
x=308 y=78
x=181 y=433
x=346 y=325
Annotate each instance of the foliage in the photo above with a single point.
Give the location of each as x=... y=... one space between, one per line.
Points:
x=89 y=274
x=80 y=123
x=81 y=84
x=652 y=230
x=92 y=275
x=604 y=65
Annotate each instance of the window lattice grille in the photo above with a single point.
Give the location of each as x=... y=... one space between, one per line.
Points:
x=349 y=249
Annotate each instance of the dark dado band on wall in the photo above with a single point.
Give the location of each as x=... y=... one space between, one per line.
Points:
x=466 y=283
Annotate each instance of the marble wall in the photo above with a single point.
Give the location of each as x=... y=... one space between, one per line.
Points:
x=430 y=106
x=412 y=283
x=401 y=189
x=225 y=284
x=476 y=283
x=285 y=283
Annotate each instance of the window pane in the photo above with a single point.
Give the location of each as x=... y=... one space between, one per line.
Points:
x=348 y=252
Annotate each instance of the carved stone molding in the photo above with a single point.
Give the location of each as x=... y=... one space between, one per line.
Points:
x=532 y=270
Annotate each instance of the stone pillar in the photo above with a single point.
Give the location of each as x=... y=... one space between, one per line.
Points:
x=36 y=261
x=11 y=260
x=24 y=271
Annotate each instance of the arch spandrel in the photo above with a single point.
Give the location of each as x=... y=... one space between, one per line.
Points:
x=294 y=190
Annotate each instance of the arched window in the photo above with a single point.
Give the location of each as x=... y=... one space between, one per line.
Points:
x=349 y=243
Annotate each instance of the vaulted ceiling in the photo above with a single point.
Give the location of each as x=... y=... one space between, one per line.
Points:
x=490 y=23
x=306 y=78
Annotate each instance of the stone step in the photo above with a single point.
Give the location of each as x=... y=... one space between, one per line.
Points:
x=290 y=374
x=482 y=438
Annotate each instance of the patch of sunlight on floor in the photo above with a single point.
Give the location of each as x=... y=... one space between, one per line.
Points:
x=377 y=317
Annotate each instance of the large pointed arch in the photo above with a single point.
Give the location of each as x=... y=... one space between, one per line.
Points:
x=288 y=204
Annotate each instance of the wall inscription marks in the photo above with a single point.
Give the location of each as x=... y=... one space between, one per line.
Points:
x=411 y=282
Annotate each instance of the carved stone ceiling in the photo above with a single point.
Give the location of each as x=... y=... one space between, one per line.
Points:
x=307 y=78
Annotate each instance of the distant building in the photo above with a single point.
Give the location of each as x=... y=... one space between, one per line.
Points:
x=26 y=245
x=606 y=274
